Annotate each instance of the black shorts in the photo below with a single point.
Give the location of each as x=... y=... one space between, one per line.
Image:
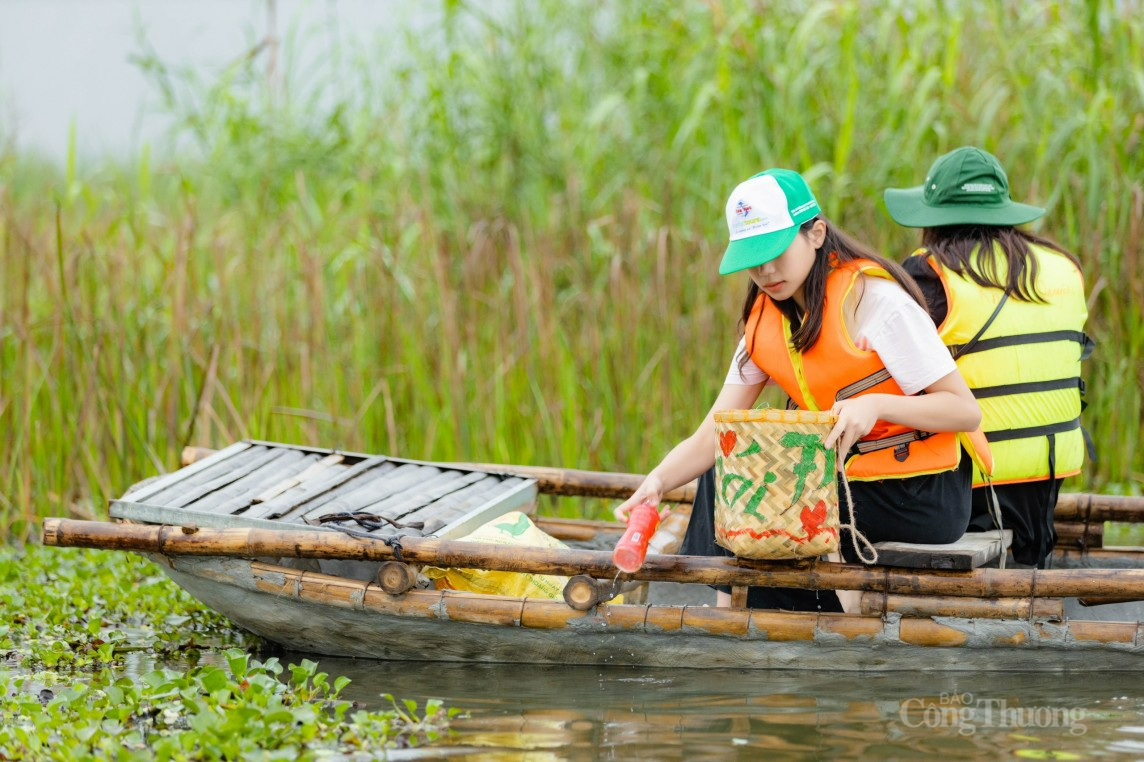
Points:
x=1027 y=509
x=934 y=508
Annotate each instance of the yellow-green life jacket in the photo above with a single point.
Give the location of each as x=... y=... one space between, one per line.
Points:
x=1024 y=368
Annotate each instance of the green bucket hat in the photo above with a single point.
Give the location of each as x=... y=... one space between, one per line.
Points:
x=764 y=214
x=966 y=186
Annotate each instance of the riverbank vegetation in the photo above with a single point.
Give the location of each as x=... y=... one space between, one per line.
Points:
x=498 y=240
x=102 y=657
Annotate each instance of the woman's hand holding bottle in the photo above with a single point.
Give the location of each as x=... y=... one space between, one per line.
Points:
x=650 y=492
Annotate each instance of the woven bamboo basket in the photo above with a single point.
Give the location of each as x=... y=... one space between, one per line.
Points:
x=776 y=488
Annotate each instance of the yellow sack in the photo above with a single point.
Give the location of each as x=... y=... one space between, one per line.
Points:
x=513 y=528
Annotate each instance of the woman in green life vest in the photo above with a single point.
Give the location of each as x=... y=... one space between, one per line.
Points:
x=1010 y=305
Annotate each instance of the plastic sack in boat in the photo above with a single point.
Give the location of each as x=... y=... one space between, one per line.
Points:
x=513 y=528
x=776 y=492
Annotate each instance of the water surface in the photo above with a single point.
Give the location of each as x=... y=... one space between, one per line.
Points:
x=538 y=713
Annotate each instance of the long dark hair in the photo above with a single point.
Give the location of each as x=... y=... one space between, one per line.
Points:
x=806 y=328
x=953 y=245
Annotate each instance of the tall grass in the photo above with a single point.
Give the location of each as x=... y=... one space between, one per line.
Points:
x=503 y=247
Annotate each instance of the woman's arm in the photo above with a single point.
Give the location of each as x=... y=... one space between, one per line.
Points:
x=947 y=405
x=694 y=455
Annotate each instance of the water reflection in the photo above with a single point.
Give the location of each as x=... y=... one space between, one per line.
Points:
x=523 y=712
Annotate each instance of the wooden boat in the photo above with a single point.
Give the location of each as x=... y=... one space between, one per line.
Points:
x=318 y=550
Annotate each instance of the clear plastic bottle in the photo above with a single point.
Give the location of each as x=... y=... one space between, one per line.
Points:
x=668 y=538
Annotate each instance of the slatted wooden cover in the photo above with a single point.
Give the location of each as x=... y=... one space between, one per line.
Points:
x=282 y=486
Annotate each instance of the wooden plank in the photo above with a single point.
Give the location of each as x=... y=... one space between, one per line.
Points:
x=241 y=494
x=457 y=503
x=519 y=492
x=739 y=596
x=369 y=468
x=167 y=480
x=319 y=483
x=161 y=514
x=971 y=551
x=364 y=491
x=396 y=506
x=315 y=470
x=494 y=497
x=393 y=483
x=235 y=474
x=206 y=476
x=514 y=495
x=467 y=508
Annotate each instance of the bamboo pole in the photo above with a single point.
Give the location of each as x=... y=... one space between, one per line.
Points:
x=576 y=529
x=814 y=575
x=1099 y=508
x=1075 y=534
x=1126 y=554
x=1091 y=601
x=969 y=608
x=195 y=454
x=571 y=481
x=741 y=624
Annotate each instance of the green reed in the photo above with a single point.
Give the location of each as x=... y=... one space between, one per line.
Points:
x=497 y=240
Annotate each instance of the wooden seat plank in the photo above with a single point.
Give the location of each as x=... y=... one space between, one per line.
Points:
x=974 y=549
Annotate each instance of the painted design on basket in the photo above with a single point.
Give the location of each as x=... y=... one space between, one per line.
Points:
x=753 y=505
x=812 y=519
x=733 y=487
x=754 y=449
x=811 y=445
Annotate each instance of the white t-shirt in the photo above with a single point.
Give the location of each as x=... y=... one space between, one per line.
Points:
x=880 y=316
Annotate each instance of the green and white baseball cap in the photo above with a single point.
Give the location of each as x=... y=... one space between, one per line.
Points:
x=764 y=214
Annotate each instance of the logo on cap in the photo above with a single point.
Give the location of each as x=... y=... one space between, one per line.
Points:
x=742 y=208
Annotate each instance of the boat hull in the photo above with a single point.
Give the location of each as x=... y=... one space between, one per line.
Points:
x=337 y=616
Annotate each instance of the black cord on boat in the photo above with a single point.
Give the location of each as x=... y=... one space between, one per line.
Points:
x=393 y=542
x=370 y=521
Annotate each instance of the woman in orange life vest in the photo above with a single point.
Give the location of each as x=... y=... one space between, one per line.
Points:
x=1011 y=306
x=851 y=316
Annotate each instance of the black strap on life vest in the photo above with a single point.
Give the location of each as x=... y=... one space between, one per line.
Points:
x=957 y=350
x=1042 y=337
x=1005 y=435
x=900 y=443
x=1027 y=387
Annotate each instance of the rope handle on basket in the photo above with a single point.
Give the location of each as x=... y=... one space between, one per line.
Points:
x=855 y=535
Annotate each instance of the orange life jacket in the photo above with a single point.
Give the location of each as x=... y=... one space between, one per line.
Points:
x=835 y=369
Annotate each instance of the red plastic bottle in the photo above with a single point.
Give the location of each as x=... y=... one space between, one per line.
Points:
x=632 y=548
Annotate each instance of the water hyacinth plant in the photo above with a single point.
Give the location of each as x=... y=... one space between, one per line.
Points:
x=496 y=240
x=206 y=712
x=101 y=656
